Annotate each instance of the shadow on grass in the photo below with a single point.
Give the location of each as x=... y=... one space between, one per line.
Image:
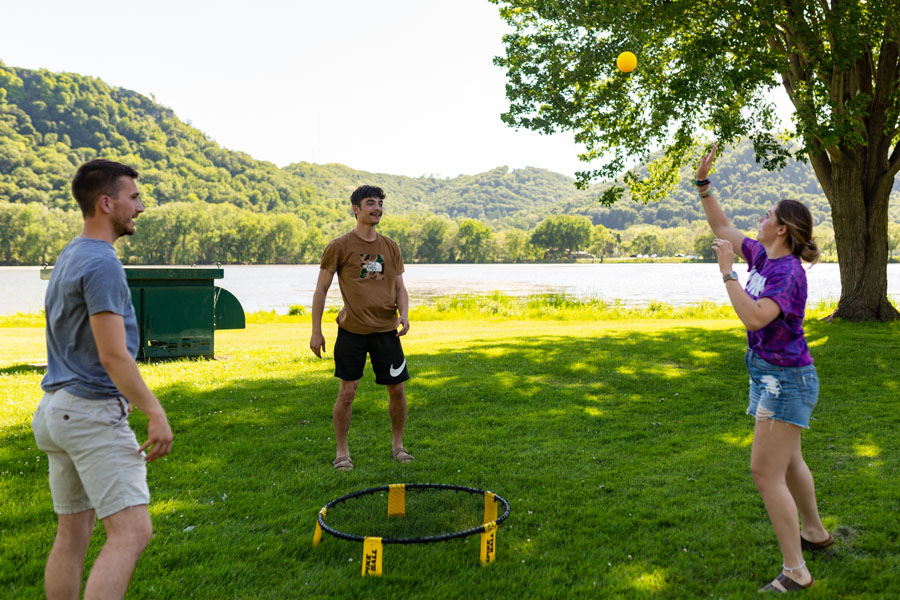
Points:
x=625 y=459
x=22 y=368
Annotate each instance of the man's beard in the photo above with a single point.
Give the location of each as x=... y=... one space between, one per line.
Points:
x=121 y=228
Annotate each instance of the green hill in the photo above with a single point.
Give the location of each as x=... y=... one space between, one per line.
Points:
x=52 y=122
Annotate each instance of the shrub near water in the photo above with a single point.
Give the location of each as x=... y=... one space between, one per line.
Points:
x=503 y=306
x=498 y=305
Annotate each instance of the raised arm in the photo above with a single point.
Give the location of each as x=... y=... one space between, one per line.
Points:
x=755 y=314
x=109 y=334
x=718 y=222
x=317 y=340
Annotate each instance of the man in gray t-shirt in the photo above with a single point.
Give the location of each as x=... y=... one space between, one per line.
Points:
x=87 y=279
x=97 y=467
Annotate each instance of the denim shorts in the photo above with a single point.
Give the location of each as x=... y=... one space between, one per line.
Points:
x=786 y=394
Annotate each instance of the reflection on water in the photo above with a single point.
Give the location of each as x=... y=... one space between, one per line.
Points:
x=277 y=287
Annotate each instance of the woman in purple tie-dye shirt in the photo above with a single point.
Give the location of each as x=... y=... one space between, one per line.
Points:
x=784 y=386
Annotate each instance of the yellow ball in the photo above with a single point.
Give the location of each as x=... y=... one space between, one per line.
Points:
x=626 y=62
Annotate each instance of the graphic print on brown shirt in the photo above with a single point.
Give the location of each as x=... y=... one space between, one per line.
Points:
x=367 y=275
x=372 y=266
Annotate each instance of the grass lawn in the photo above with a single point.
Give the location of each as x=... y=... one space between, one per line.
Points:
x=621 y=444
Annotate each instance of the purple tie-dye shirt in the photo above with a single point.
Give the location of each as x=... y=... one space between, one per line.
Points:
x=782 y=280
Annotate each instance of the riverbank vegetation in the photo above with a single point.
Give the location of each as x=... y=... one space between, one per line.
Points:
x=621 y=445
x=206 y=204
x=196 y=233
x=501 y=306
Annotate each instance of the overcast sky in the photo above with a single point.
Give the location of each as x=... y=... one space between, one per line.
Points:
x=393 y=86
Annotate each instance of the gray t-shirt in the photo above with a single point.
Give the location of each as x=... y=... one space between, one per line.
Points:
x=87 y=279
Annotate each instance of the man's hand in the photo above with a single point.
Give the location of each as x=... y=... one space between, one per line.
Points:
x=403 y=322
x=109 y=335
x=317 y=344
x=159 y=437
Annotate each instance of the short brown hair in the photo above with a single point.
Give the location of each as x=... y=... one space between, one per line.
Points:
x=97 y=177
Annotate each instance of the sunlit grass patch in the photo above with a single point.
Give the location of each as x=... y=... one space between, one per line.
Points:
x=741 y=441
x=650 y=581
x=21 y=319
x=867 y=450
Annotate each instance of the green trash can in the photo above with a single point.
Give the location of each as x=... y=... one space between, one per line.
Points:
x=178 y=310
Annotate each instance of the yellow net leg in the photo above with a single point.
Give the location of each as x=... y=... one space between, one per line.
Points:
x=317 y=536
x=489 y=543
x=397 y=500
x=490 y=507
x=489 y=536
x=372 y=550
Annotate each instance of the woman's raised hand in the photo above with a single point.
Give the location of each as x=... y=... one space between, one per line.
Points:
x=706 y=162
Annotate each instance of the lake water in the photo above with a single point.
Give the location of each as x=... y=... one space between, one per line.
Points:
x=277 y=287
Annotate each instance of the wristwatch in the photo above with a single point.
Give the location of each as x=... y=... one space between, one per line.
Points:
x=729 y=276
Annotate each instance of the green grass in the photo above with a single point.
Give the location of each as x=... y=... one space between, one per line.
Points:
x=560 y=307
x=620 y=442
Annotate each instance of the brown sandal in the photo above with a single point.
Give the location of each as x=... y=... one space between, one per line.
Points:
x=342 y=463
x=401 y=455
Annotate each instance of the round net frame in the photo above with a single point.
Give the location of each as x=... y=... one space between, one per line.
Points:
x=415 y=540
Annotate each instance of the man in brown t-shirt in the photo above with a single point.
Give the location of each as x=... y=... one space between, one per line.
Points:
x=370 y=275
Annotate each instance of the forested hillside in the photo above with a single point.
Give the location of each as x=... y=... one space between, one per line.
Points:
x=207 y=204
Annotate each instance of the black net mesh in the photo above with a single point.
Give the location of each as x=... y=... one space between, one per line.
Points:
x=430 y=512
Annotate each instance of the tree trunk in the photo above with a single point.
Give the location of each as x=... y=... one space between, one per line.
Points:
x=860 y=218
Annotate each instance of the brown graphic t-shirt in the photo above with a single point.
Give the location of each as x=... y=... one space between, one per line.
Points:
x=367 y=274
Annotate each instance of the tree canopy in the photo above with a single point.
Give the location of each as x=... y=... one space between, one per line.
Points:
x=706 y=69
x=562 y=233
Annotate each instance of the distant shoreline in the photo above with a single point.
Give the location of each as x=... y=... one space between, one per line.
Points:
x=589 y=261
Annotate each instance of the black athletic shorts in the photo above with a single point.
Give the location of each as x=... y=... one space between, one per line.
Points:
x=385 y=350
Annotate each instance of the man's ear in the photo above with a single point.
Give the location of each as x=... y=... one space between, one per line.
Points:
x=104 y=203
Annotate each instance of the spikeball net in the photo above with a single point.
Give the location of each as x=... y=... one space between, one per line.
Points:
x=421 y=521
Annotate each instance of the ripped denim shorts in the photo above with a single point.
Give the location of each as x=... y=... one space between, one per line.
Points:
x=786 y=394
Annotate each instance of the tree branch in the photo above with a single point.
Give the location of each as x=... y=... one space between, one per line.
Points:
x=826 y=19
x=774 y=43
x=797 y=37
x=822 y=166
x=894 y=162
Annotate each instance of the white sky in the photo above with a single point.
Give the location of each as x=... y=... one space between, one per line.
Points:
x=405 y=87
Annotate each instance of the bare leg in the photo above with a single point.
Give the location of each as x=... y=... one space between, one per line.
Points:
x=65 y=565
x=774 y=445
x=800 y=483
x=397 y=411
x=127 y=534
x=343 y=410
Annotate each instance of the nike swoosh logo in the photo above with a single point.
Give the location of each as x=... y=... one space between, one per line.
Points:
x=394 y=372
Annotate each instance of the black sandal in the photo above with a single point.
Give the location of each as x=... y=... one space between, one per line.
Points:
x=815 y=546
x=787 y=583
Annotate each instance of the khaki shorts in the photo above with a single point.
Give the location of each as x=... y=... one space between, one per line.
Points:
x=94 y=457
